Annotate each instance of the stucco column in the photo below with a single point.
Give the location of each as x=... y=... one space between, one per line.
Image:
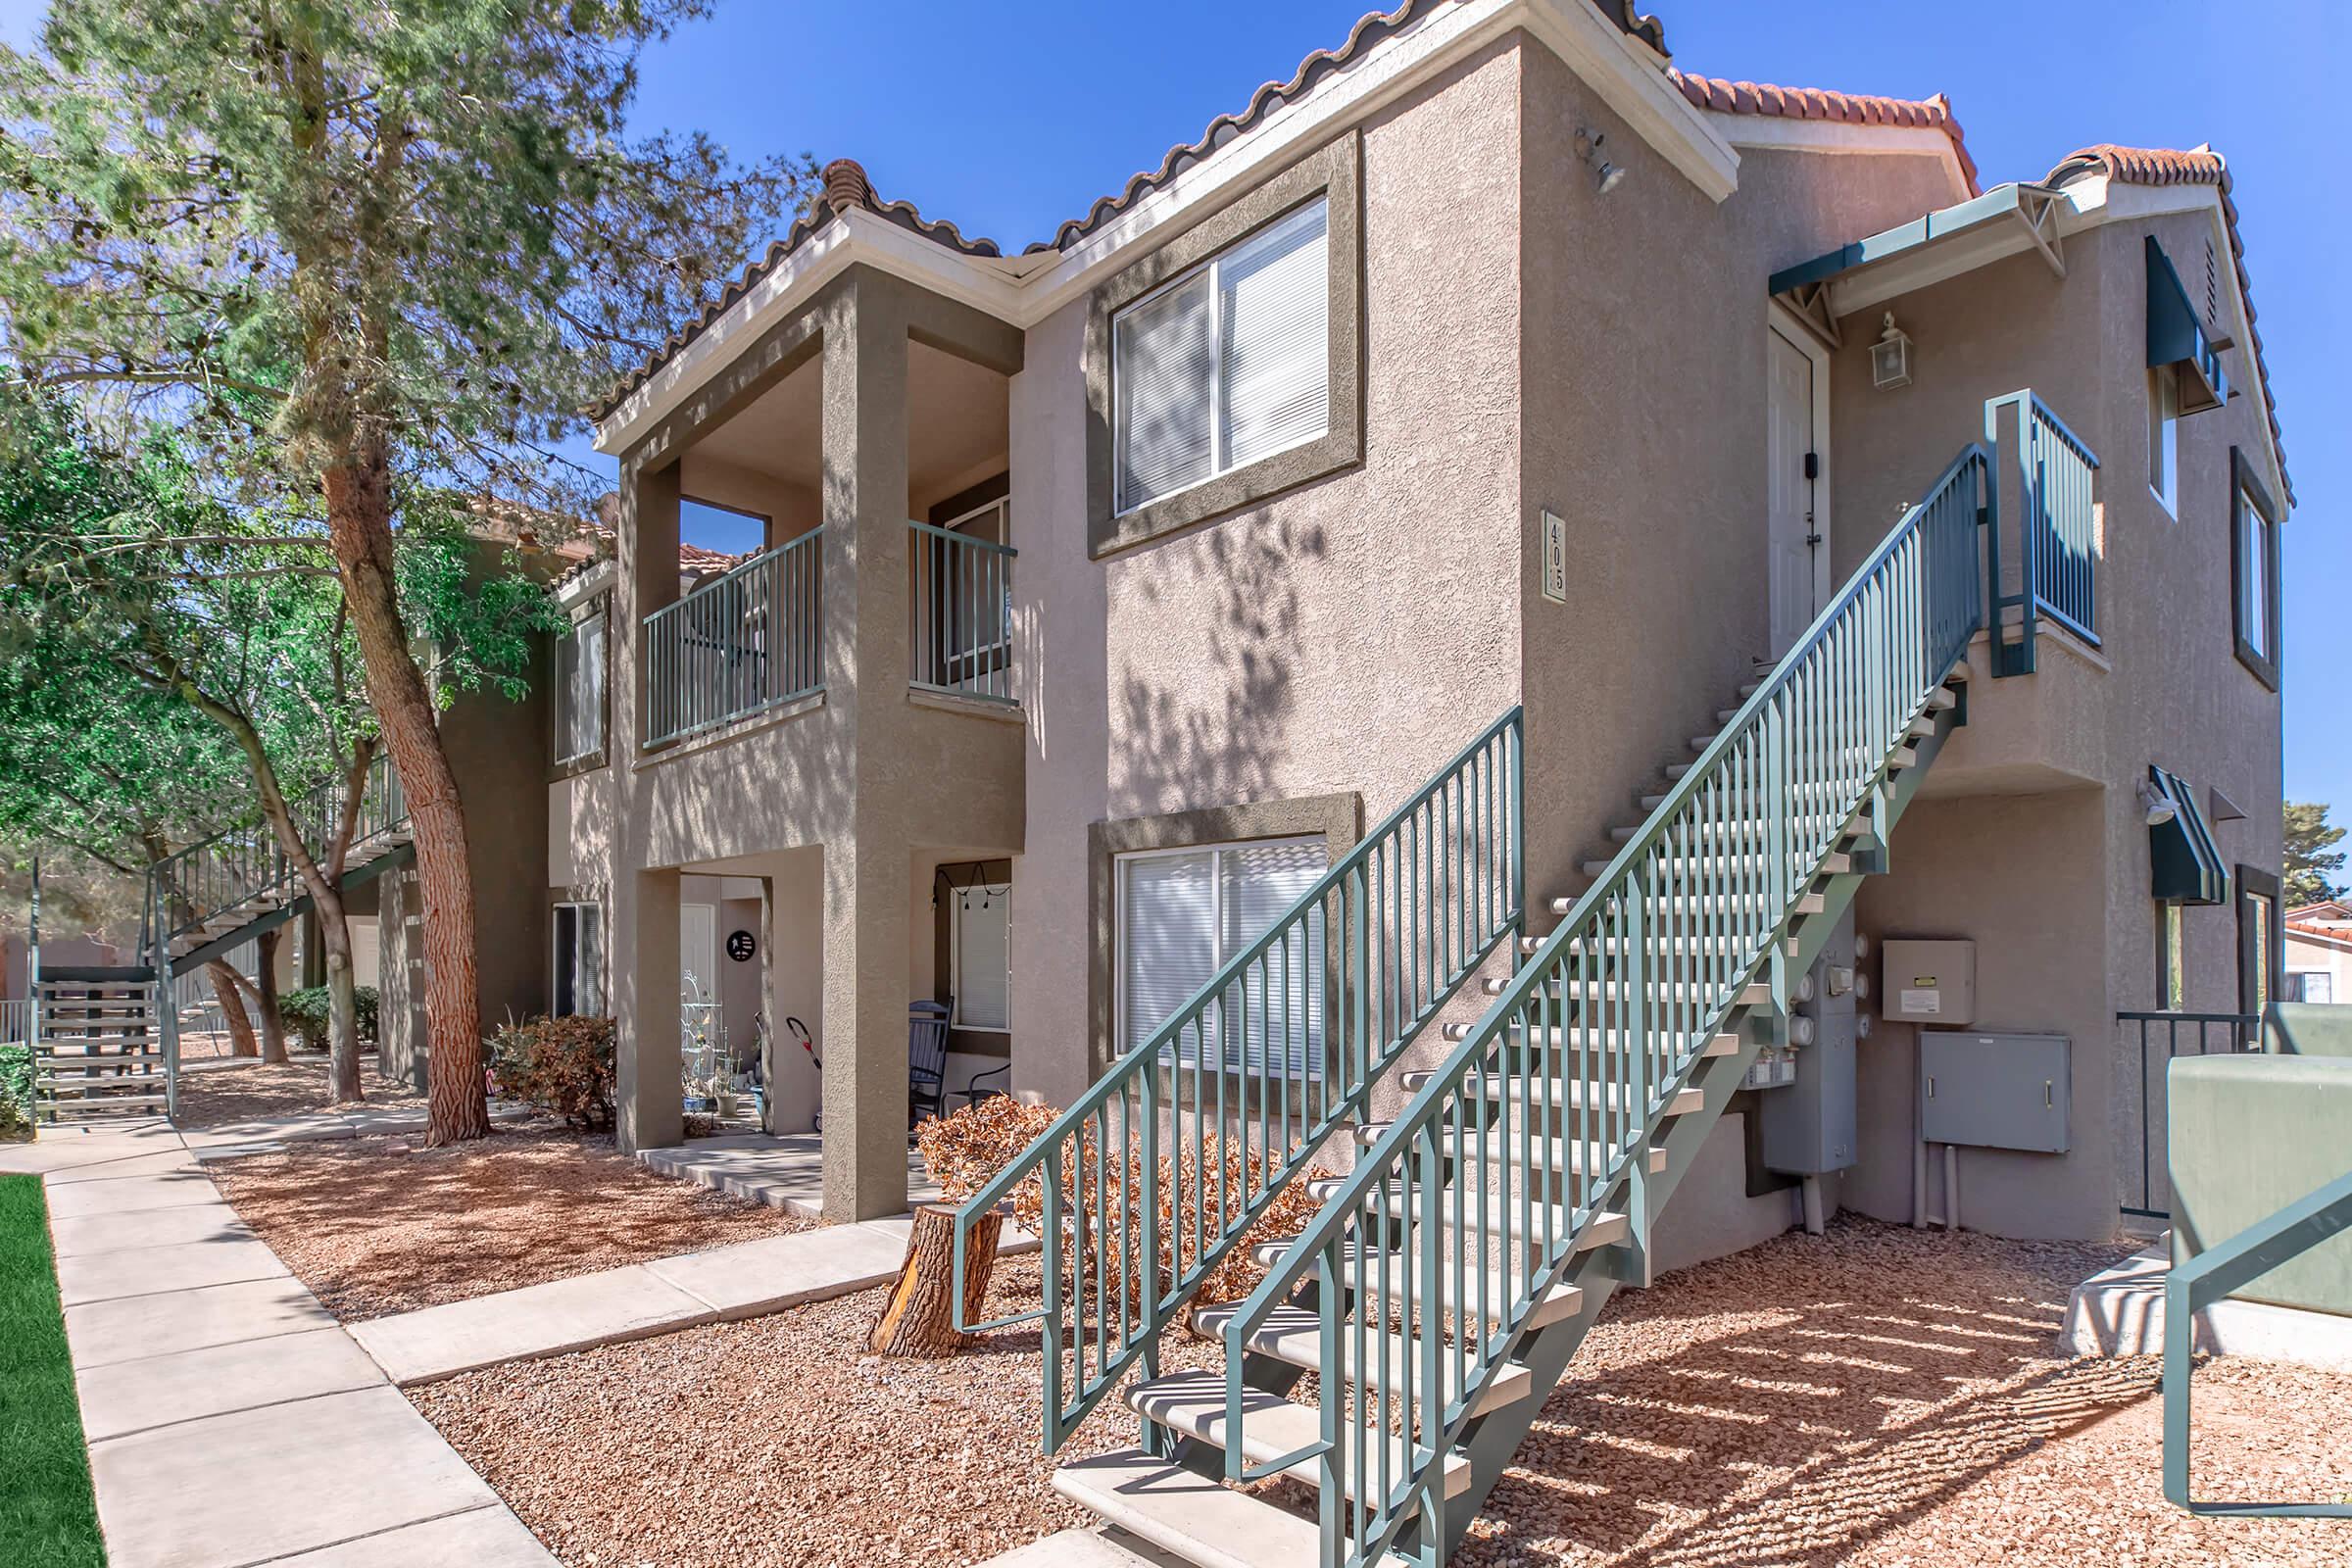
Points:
x=866 y=925
x=642 y=918
x=645 y=1009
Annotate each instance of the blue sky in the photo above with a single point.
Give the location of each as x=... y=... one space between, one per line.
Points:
x=1009 y=119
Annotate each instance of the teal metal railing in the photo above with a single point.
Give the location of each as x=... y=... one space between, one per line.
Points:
x=1470 y=1206
x=213 y=876
x=2058 y=544
x=1152 y=1177
x=960 y=612
x=2190 y=1286
x=742 y=642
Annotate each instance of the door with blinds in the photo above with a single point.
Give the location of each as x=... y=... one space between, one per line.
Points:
x=1183 y=913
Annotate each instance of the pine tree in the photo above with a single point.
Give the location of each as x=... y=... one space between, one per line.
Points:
x=2312 y=859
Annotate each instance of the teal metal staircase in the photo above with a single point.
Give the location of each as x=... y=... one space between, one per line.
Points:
x=1444 y=1283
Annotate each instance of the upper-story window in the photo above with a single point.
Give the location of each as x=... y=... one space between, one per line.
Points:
x=1228 y=363
x=581 y=690
x=2164 y=436
x=2254 y=569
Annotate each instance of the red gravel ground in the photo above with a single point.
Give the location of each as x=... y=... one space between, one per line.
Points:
x=383 y=1225
x=219 y=1097
x=1873 y=1397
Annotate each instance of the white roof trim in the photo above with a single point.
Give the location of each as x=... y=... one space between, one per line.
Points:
x=1023 y=290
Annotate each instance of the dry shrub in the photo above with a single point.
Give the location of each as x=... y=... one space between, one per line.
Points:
x=964 y=1152
x=561 y=1065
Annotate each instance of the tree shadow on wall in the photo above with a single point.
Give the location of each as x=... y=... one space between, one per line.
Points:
x=1227 y=743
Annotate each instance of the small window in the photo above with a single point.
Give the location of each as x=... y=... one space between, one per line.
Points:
x=581 y=690
x=2164 y=435
x=2173 y=967
x=2312 y=985
x=1184 y=914
x=1226 y=364
x=2254 y=571
x=579 y=962
x=979 y=930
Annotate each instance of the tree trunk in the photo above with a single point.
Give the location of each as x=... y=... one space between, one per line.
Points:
x=919 y=1318
x=241 y=1042
x=265 y=995
x=358 y=525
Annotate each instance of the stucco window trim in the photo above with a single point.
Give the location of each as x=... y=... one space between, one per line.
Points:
x=2246 y=486
x=1339 y=819
x=1336 y=173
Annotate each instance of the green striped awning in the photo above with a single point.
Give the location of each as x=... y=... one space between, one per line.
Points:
x=2183 y=863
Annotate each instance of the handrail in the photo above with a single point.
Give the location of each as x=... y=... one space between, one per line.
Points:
x=960 y=612
x=1613 y=1010
x=746 y=640
x=240 y=863
x=1353 y=971
x=2057 y=535
x=2243 y=1030
x=2193 y=1286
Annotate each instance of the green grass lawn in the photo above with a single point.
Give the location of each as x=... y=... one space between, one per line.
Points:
x=47 y=1519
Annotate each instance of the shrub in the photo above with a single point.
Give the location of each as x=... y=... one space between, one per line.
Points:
x=305 y=1013
x=964 y=1152
x=15 y=1092
x=560 y=1065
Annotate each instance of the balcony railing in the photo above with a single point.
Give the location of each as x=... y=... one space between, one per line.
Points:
x=738 y=643
x=2057 y=532
x=2158 y=1038
x=960 y=611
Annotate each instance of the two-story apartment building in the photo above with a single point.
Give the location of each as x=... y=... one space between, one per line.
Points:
x=1489 y=369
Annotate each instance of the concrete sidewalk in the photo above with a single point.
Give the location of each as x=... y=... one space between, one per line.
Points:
x=260 y=1134
x=231 y=1420
x=785 y=1171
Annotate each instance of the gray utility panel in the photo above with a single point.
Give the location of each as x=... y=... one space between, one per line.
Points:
x=1994 y=1091
x=1807 y=1128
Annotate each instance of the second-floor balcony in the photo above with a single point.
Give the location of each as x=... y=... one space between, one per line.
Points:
x=752 y=639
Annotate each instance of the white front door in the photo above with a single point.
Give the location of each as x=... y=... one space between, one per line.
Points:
x=1796 y=555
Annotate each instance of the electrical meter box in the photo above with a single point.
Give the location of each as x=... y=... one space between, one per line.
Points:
x=1994 y=1091
x=1928 y=982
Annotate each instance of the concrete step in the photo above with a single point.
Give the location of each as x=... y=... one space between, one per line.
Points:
x=1200 y=1520
x=1294 y=1335
x=1548 y=1094
x=1836 y=864
x=1194 y=1404
x=1569 y=1037
x=1485 y=1214
x=1487 y=1290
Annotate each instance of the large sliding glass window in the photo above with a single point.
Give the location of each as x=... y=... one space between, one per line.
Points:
x=1226 y=364
x=1184 y=914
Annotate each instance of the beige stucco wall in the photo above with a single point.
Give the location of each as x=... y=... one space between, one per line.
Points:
x=1349 y=636
x=2306 y=956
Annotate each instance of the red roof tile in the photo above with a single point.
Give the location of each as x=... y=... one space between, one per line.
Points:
x=2196 y=166
x=1820 y=103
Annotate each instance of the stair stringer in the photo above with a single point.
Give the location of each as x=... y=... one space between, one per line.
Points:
x=1492 y=1440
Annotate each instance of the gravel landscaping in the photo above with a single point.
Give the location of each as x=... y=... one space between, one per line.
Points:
x=382 y=1225
x=1872 y=1396
x=217 y=1098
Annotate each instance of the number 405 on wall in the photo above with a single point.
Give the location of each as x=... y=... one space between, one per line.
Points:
x=1555 y=556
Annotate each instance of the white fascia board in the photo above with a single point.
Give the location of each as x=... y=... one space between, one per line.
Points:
x=1842 y=136
x=1024 y=290
x=588 y=584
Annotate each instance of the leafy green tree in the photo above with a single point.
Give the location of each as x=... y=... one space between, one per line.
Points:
x=2312 y=861
x=362 y=250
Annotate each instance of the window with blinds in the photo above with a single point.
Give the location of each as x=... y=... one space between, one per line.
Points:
x=1184 y=914
x=981 y=955
x=1227 y=364
x=581 y=690
x=579 y=961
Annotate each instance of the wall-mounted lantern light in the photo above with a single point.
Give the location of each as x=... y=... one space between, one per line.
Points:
x=1606 y=176
x=1891 y=357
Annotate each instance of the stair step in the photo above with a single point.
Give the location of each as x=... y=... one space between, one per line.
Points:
x=1943 y=700
x=1544 y=1219
x=55 y=1106
x=1569 y=1037
x=1194 y=1404
x=1576 y=1094
x=1197 y=1519
x=1832 y=865
x=1586 y=946
x=1556 y=1304
x=1550 y=1153
x=1703 y=904
x=1294 y=1334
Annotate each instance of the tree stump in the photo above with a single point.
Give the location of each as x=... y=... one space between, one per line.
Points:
x=919 y=1319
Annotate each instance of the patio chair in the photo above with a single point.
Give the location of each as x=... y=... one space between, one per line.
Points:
x=926 y=1059
x=973 y=1093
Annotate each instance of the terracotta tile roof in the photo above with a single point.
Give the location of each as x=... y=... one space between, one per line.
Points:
x=1820 y=103
x=2196 y=166
x=846 y=183
x=845 y=188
